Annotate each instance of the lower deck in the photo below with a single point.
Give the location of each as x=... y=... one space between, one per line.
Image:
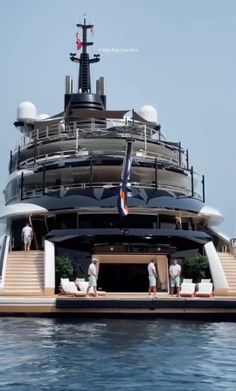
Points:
x=214 y=308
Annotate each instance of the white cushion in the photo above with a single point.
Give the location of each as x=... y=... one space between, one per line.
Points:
x=187 y=288
x=69 y=287
x=63 y=280
x=83 y=286
x=205 y=280
x=187 y=280
x=80 y=279
x=205 y=287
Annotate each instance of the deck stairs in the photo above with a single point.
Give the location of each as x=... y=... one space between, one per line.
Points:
x=24 y=273
x=228 y=262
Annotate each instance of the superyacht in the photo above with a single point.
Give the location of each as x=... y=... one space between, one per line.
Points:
x=107 y=183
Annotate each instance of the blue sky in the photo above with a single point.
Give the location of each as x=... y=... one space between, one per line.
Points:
x=184 y=65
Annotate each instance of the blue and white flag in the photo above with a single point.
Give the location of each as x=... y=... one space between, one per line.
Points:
x=125 y=175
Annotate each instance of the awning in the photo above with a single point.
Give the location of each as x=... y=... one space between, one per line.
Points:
x=126 y=234
x=21 y=209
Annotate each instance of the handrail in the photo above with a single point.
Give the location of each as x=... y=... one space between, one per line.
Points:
x=63 y=188
x=112 y=129
x=44 y=158
x=3 y=255
x=2 y=248
x=222 y=237
x=86 y=129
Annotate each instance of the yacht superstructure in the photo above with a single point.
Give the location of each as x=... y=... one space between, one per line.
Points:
x=65 y=176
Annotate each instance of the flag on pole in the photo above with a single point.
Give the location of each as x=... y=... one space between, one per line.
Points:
x=79 y=43
x=125 y=175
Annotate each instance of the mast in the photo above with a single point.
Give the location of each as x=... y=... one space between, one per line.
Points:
x=84 y=83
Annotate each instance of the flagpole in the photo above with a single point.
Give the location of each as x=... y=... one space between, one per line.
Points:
x=125 y=176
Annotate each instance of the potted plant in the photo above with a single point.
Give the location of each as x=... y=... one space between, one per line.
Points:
x=64 y=269
x=196 y=268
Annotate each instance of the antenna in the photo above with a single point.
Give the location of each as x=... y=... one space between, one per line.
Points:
x=84 y=83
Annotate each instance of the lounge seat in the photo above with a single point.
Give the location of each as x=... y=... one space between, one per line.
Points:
x=204 y=289
x=187 y=289
x=69 y=288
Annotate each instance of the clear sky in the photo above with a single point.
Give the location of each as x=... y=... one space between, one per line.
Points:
x=184 y=64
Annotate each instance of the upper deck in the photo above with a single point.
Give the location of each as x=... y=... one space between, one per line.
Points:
x=52 y=140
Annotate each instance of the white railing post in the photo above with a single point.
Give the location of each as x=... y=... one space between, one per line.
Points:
x=49 y=267
x=145 y=140
x=92 y=124
x=77 y=141
x=75 y=127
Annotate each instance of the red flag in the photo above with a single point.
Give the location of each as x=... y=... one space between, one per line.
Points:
x=79 y=43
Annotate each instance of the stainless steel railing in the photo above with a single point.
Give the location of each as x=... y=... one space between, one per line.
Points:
x=81 y=129
x=185 y=192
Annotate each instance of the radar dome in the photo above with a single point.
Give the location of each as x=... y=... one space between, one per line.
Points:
x=148 y=113
x=26 y=111
x=42 y=116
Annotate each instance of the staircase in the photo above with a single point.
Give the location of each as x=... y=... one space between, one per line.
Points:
x=228 y=262
x=24 y=273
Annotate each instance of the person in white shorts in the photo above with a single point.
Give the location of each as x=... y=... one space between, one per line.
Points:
x=92 y=272
x=27 y=235
x=175 y=271
x=152 y=276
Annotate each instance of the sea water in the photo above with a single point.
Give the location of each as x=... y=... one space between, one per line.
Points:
x=116 y=354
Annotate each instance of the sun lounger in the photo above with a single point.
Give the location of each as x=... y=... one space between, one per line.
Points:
x=187 y=289
x=69 y=288
x=204 y=289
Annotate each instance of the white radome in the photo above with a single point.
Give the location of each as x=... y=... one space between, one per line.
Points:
x=148 y=113
x=26 y=111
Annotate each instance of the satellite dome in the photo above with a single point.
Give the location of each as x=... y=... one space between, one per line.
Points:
x=42 y=116
x=148 y=113
x=26 y=112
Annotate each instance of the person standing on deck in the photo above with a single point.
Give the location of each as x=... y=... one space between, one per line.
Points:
x=152 y=275
x=92 y=272
x=27 y=236
x=175 y=271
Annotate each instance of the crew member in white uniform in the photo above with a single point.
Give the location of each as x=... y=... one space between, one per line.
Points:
x=175 y=271
x=92 y=272
x=152 y=276
x=27 y=236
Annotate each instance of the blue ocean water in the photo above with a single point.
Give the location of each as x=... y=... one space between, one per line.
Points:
x=116 y=354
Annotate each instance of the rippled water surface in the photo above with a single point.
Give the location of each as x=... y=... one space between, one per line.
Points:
x=115 y=354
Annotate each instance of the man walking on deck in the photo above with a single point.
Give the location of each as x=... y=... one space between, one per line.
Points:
x=92 y=272
x=27 y=236
x=152 y=275
x=175 y=271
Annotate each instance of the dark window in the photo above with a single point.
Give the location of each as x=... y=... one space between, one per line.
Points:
x=115 y=221
x=123 y=277
x=66 y=221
